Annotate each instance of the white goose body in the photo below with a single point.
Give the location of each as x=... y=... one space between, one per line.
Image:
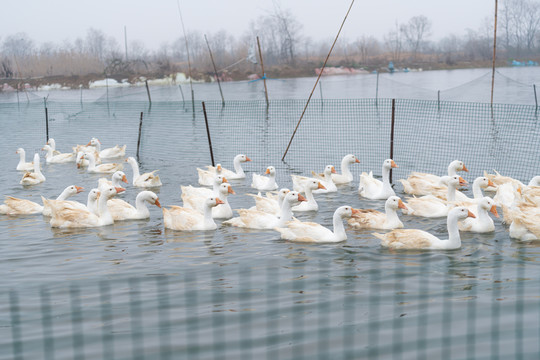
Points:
x=425 y=184
x=271 y=203
x=483 y=222
x=51 y=158
x=80 y=161
x=122 y=210
x=206 y=177
x=419 y=239
x=117 y=179
x=265 y=183
x=311 y=203
x=102 y=168
x=299 y=182
x=23 y=165
x=221 y=211
x=238 y=172
x=36 y=177
x=346 y=177
x=311 y=232
x=374 y=189
x=67 y=193
x=373 y=219
x=145 y=180
x=16 y=206
x=110 y=153
x=91 y=204
x=185 y=219
x=255 y=219
x=431 y=206
x=77 y=218
x=198 y=195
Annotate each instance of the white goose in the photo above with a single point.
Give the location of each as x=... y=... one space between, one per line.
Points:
x=525 y=226
x=374 y=189
x=148 y=179
x=424 y=184
x=116 y=179
x=206 y=177
x=23 y=165
x=431 y=206
x=299 y=182
x=264 y=183
x=238 y=172
x=419 y=239
x=51 y=158
x=36 y=177
x=67 y=193
x=185 y=219
x=310 y=232
x=346 y=176
x=311 y=203
x=122 y=210
x=222 y=211
x=482 y=223
x=254 y=219
x=191 y=194
x=102 y=168
x=373 y=219
x=479 y=184
x=271 y=203
x=91 y=204
x=114 y=152
x=65 y=217
x=499 y=179
x=52 y=143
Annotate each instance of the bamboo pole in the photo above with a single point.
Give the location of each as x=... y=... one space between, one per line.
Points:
x=317 y=81
x=208 y=134
x=263 y=74
x=494 y=55
x=148 y=92
x=139 y=138
x=215 y=71
x=188 y=59
x=392 y=134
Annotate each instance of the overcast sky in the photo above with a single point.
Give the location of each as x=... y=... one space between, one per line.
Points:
x=155 y=22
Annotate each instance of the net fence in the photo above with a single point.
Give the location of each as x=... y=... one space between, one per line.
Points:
x=376 y=305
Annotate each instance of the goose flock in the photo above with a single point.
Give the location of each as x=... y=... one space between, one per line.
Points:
x=431 y=196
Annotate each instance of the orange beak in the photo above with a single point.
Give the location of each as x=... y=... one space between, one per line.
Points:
x=494 y=211
x=267 y=171
x=219 y=201
x=519 y=191
x=224 y=180
x=301 y=198
x=465 y=168
x=79 y=189
x=356 y=161
x=394 y=165
x=248 y=159
x=219 y=168
x=157 y=203
x=401 y=205
x=124 y=179
x=126 y=160
x=231 y=191
x=462 y=181
x=333 y=170
x=355 y=211
x=78 y=165
x=119 y=189
x=321 y=186
x=490 y=183
x=471 y=214
x=89 y=143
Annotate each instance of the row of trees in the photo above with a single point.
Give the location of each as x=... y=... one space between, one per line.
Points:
x=283 y=42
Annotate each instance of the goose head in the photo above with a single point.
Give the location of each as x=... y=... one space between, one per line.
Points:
x=225 y=189
x=314 y=185
x=242 y=158
x=219 y=179
x=119 y=176
x=389 y=163
x=483 y=182
x=294 y=197
x=73 y=190
x=461 y=212
x=20 y=151
x=535 y=181
x=36 y=158
x=351 y=159
x=93 y=142
x=150 y=197
x=213 y=201
x=51 y=142
x=394 y=203
x=80 y=157
x=346 y=211
x=457 y=165
x=456 y=181
x=111 y=191
x=488 y=204
x=46 y=148
x=219 y=168
x=282 y=193
x=329 y=170
x=270 y=171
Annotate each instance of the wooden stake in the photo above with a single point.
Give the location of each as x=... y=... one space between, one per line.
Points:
x=263 y=74
x=148 y=91
x=208 y=133
x=494 y=55
x=188 y=59
x=139 y=138
x=215 y=71
x=392 y=134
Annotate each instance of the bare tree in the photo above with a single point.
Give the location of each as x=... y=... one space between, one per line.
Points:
x=367 y=46
x=415 y=32
x=18 y=45
x=289 y=32
x=393 y=43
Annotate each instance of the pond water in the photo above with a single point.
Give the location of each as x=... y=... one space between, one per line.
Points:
x=138 y=290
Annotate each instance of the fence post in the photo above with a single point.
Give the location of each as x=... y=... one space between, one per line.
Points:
x=208 y=133
x=139 y=139
x=148 y=92
x=183 y=99
x=377 y=90
x=535 y=98
x=392 y=134
x=46 y=120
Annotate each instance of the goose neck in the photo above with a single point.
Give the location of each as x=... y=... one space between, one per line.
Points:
x=208 y=220
x=391 y=215
x=135 y=168
x=286 y=213
x=103 y=210
x=238 y=166
x=453 y=231
x=345 y=168
x=386 y=179
x=309 y=196
x=140 y=205
x=451 y=194
x=339 y=229
x=64 y=195
x=477 y=190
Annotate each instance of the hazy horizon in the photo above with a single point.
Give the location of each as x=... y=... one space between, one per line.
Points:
x=156 y=23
